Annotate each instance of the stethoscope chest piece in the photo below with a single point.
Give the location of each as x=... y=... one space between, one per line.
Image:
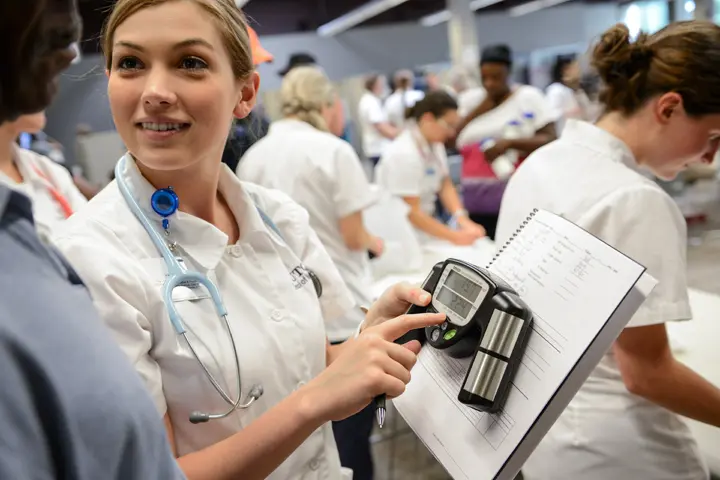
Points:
x=165 y=202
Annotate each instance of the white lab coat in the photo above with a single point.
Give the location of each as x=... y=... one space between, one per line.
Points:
x=412 y=168
x=370 y=113
x=324 y=175
x=567 y=103
x=397 y=104
x=40 y=176
x=272 y=307
x=524 y=99
x=591 y=178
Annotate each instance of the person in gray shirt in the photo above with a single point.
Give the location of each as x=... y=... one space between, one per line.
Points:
x=72 y=407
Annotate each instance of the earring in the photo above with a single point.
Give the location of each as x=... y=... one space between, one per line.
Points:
x=165 y=202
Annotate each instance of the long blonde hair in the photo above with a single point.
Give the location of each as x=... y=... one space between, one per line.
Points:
x=304 y=93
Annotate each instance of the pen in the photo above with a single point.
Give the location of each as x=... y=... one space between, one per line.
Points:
x=380 y=409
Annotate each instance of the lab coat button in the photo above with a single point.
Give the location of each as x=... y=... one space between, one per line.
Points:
x=300 y=385
x=314 y=464
x=236 y=251
x=276 y=315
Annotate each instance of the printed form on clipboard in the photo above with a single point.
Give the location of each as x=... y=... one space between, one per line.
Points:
x=582 y=293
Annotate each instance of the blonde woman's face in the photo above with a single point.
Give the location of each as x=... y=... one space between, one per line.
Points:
x=172 y=90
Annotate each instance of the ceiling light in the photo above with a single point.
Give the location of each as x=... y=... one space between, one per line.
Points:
x=357 y=16
x=445 y=15
x=533 y=6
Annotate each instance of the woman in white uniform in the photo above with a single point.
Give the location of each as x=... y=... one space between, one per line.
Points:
x=376 y=129
x=324 y=175
x=662 y=101
x=404 y=97
x=50 y=187
x=415 y=168
x=500 y=109
x=566 y=98
x=178 y=73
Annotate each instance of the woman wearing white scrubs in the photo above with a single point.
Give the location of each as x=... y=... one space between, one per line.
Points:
x=376 y=129
x=178 y=73
x=415 y=168
x=48 y=185
x=404 y=97
x=497 y=106
x=324 y=175
x=566 y=98
x=662 y=100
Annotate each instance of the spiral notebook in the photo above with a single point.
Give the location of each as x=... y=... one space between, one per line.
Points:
x=582 y=292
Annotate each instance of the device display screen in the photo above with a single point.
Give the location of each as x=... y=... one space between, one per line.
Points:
x=463 y=286
x=454 y=302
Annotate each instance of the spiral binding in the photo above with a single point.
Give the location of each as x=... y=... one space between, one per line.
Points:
x=515 y=234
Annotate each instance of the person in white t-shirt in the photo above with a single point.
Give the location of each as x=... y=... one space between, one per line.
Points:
x=566 y=98
x=662 y=104
x=376 y=129
x=48 y=185
x=499 y=107
x=302 y=157
x=414 y=167
x=403 y=98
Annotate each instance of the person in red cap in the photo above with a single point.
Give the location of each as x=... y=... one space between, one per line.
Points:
x=252 y=128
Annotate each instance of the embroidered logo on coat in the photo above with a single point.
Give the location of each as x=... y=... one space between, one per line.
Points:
x=300 y=277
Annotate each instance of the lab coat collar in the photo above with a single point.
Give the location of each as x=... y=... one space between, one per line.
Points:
x=420 y=141
x=200 y=240
x=289 y=124
x=595 y=138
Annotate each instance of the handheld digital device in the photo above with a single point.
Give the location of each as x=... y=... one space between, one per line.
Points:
x=486 y=320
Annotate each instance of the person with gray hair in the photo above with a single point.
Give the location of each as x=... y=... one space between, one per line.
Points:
x=324 y=175
x=403 y=98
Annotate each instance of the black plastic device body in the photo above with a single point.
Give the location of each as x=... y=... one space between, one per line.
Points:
x=495 y=337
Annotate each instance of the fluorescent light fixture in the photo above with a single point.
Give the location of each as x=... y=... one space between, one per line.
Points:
x=444 y=15
x=241 y=3
x=533 y=6
x=357 y=16
x=436 y=18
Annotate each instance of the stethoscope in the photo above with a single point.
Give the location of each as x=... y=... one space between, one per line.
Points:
x=165 y=202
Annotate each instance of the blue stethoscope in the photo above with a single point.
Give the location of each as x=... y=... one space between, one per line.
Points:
x=165 y=203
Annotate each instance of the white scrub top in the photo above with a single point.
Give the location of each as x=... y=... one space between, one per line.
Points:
x=567 y=103
x=413 y=168
x=469 y=99
x=371 y=112
x=272 y=307
x=590 y=177
x=324 y=175
x=397 y=104
x=43 y=182
x=524 y=99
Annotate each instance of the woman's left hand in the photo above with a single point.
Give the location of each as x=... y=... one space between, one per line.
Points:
x=395 y=302
x=466 y=224
x=501 y=146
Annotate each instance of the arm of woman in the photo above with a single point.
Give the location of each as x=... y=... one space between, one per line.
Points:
x=351 y=194
x=650 y=370
x=451 y=201
x=542 y=137
x=369 y=366
x=434 y=227
x=646 y=225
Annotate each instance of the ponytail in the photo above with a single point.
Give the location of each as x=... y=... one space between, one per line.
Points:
x=304 y=93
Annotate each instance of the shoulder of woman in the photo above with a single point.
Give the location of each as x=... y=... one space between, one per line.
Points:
x=42 y=163
x=529 y=92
